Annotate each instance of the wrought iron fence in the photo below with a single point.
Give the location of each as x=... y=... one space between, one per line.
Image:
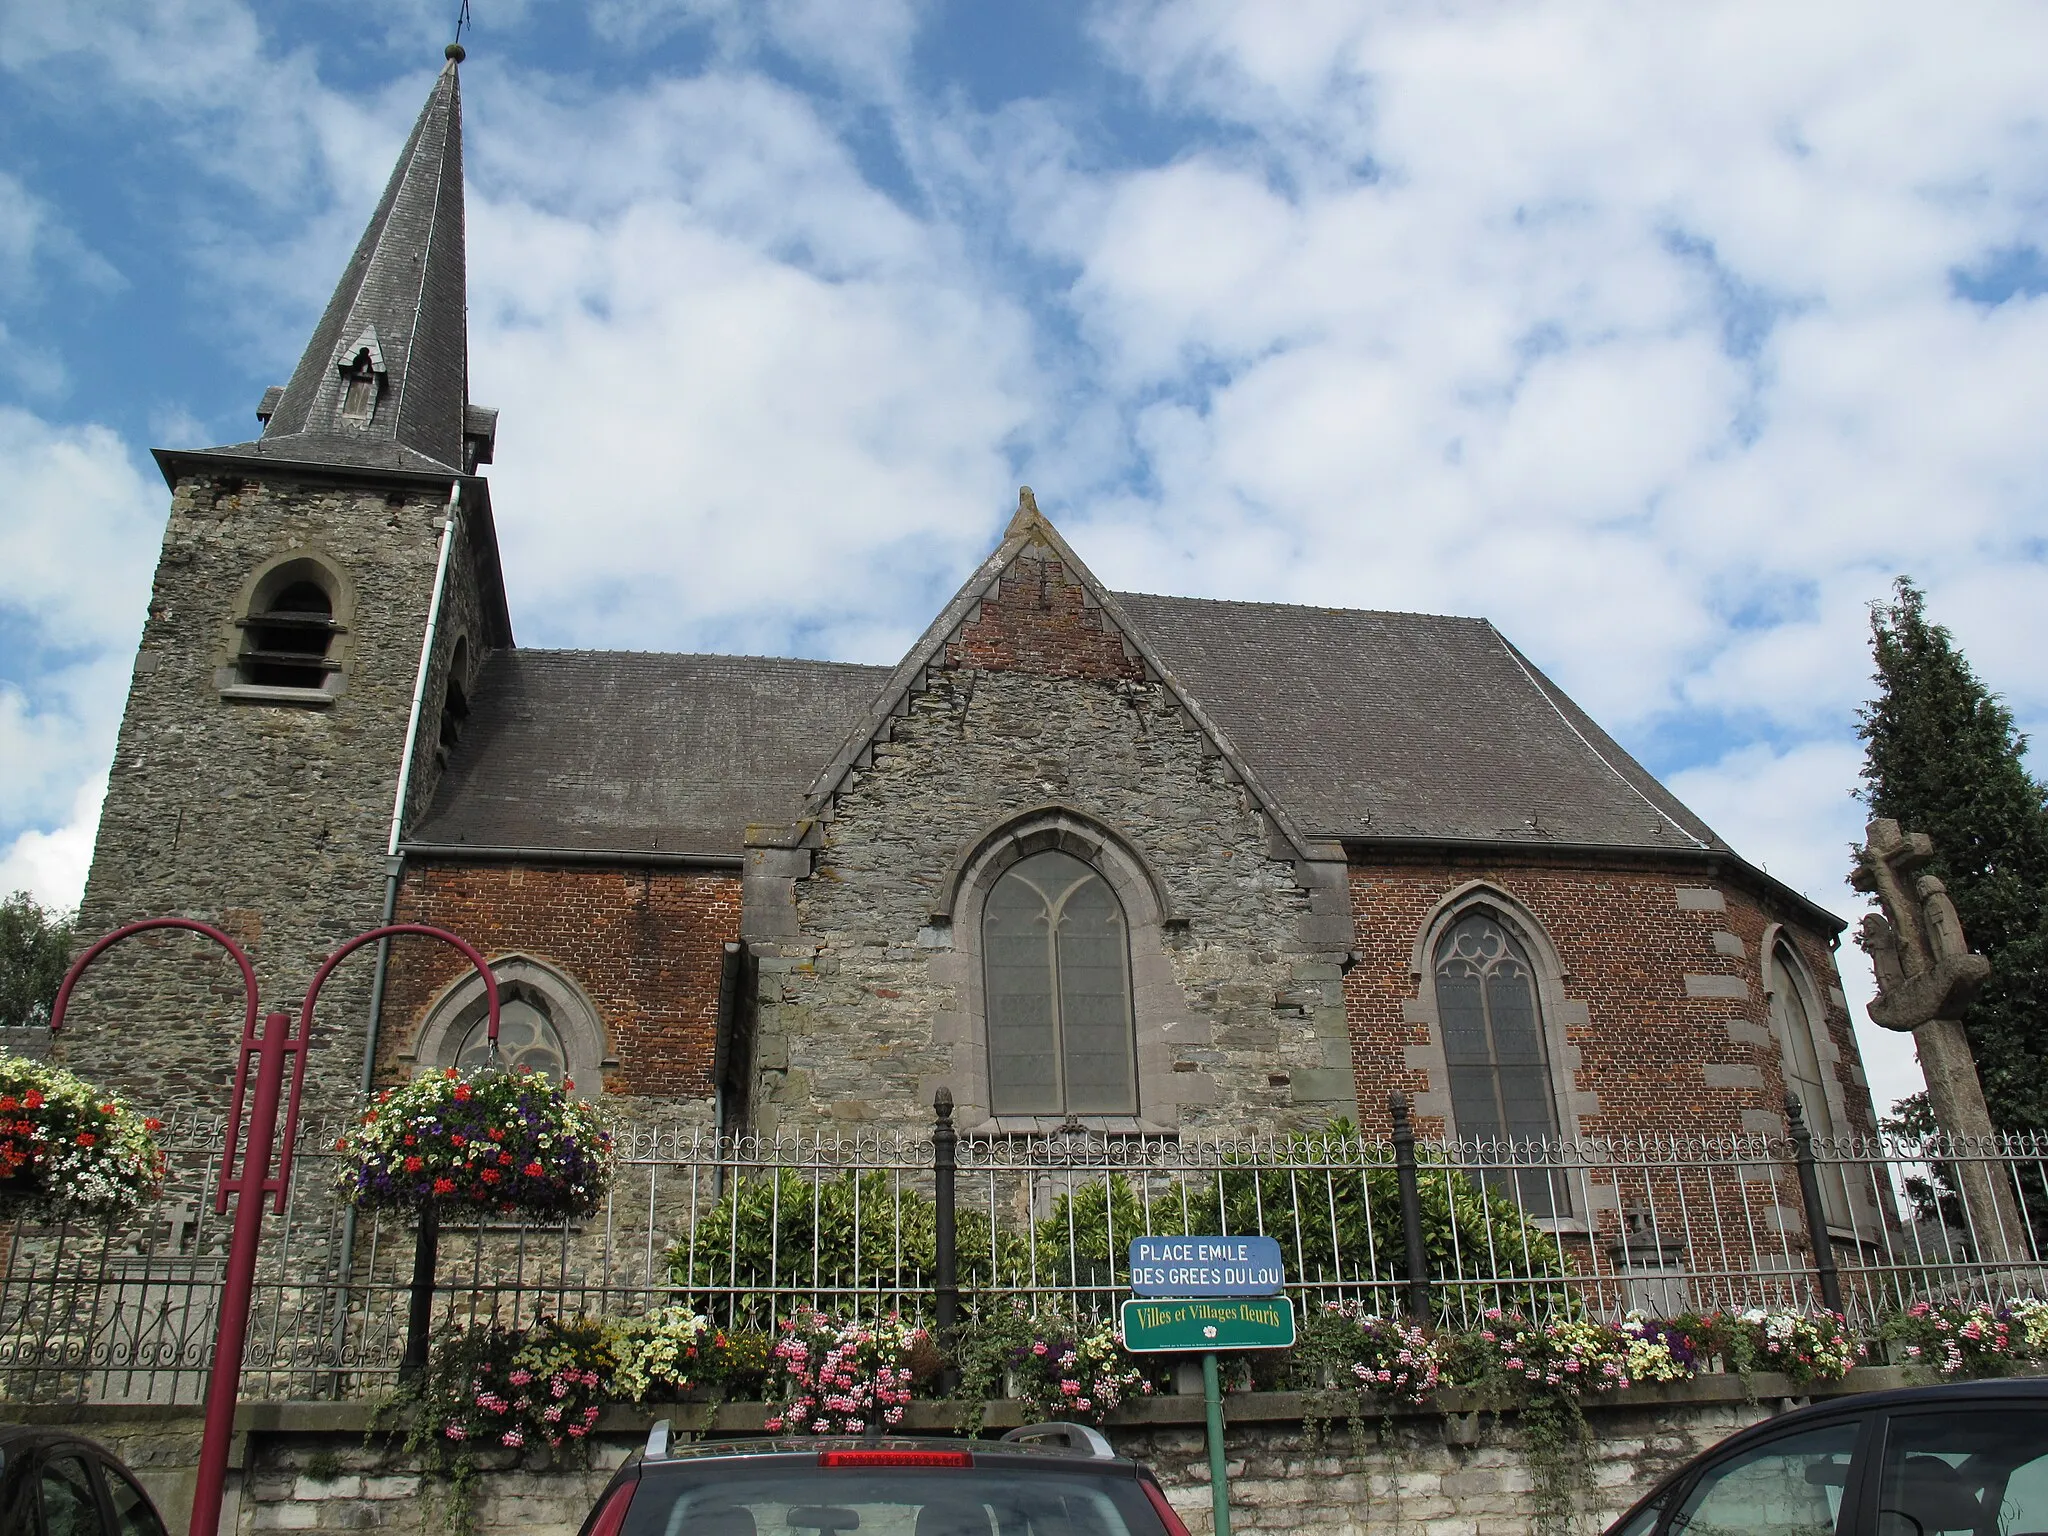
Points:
x=748 y=1230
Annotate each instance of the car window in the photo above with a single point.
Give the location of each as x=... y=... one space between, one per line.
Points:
x=70 y=1508
x=1643 y=1521
x=1974 y=1472
x=1791 y=1486
x=940 y=1502
x=133 y=1514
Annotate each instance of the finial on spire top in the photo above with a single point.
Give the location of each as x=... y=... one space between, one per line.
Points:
x=1027 y=511
x=456 y=52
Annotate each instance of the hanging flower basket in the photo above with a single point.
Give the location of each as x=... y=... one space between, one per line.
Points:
x=69 y=1151
x=496 y=1142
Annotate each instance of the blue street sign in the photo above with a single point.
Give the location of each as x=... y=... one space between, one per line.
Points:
x=1205 y=1266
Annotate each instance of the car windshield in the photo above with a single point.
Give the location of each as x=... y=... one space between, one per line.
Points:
x=941 y=1501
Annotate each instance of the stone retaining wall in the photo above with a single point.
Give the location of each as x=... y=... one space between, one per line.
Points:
x=311 y=1467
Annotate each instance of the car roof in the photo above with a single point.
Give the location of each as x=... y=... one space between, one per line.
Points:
x=807 y=1447
x=1940 y=1394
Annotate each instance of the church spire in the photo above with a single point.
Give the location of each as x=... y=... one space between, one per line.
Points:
x=384 y=382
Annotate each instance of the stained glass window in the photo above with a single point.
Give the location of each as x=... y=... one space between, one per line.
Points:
x=1058 y=979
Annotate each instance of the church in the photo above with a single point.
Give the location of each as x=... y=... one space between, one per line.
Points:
x=1149 y=865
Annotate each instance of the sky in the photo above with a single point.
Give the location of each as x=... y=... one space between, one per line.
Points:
x=1665 y=337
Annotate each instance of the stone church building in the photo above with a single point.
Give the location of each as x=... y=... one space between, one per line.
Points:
x=1146 y=863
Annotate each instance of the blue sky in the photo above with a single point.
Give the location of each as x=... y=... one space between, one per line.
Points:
x=1662 y=336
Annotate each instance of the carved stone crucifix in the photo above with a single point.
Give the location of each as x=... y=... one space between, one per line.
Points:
x=1926 y=976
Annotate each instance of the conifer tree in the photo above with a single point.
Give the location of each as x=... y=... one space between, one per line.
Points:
x=1943 y=757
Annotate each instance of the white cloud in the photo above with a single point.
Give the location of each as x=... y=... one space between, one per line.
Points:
x=51 y=865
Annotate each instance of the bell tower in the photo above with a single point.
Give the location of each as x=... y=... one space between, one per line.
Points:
x=318 y=589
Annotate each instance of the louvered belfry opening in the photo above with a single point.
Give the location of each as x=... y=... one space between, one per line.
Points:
x=1058 y=975
x=286 y=643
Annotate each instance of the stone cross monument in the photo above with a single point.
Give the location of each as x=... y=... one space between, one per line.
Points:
x=1926 y=976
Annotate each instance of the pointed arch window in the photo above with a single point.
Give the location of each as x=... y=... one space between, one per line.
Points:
x=1495 y=1054
x=1057 y=972
x=1792 y=1021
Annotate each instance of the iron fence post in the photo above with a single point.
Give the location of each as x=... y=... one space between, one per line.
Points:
x=1816 y=1214
x=1414 y=1253
x=945 y=1145
x=419 y=1317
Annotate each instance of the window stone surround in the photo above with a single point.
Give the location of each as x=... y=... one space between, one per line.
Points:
x=1560 y=1011
x=302 y=563
x=456 y=1008
x=1777 y=942
x=1160 y=1015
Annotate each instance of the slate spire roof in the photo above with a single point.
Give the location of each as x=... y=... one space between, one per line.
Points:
x=384 y=383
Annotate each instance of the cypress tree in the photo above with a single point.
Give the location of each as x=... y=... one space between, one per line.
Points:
x=1943 y=757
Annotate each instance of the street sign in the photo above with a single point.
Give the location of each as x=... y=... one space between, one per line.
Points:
x=1205 y=1266
x=1242 y=1322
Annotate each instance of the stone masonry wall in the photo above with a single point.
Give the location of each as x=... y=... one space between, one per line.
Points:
x=311 y=1468
x=268 y=820
x=1036 y=703
x=645 y=945
x=1663 y=984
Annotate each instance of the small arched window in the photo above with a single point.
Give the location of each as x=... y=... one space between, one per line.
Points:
x=454 y=702
x=527 y=1037
x=1057 y=962
x=1792 y=1021
x=289 y=632
x=360 y=387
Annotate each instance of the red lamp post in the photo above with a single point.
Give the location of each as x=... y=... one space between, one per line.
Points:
x=255 y=1180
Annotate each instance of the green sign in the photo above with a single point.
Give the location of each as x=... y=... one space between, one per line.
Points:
x=1234 y=1322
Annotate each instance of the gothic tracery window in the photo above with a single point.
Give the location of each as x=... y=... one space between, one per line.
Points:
x=1501 y=1087
x=1058 y=984
x=527 y=1037
x=1792 y=1022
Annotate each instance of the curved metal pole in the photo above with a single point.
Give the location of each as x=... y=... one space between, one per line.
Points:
x=235 y=950
x=305 y=1036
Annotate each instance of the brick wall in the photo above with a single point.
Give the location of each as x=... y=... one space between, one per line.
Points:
x=646 y=946
x=1659 y=1052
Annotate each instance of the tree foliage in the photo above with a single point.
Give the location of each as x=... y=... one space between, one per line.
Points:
x=1943 y=757
x=35 y=947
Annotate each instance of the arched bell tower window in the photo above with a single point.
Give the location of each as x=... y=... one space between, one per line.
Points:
x=359 y=388
x=1057 y=977
x=290 y=634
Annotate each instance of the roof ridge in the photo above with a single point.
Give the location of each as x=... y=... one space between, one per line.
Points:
x=1244 y=602
x=795 y=661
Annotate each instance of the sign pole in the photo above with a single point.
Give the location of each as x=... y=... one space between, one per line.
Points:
x=1219 y=1465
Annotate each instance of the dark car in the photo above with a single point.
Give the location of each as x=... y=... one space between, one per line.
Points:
x=1964 y=1459
x=1046 y=1480
x=53 y=1482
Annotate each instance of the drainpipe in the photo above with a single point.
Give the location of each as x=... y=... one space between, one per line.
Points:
x=394 y=870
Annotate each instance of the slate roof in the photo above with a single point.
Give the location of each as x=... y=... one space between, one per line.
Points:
x=627 y=751
x=406 y=284
x=1433 y=728
x=1407 y=725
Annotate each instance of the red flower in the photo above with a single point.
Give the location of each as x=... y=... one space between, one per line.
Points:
x=151 y=1123
x=414 y=1164
x=456 y=1141
x=33 y=1099
x=495 y=1134
x=106 y=1109
x=444 y=1186
x=490 y=1175
x=411 y=1140
x=504 y=1157
x=452 y=1073
x=86 y=1138
x=462 y=1091
x=10 y=1102
x=534 y=1170
x=341 y=1143
x=24 y=1127
x=568 y=1082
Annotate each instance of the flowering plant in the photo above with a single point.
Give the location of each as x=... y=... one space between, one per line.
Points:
x=496 y=1141
x=1571 y=1357
x=1076 y=1370
x=1389 y=1358
x=1656 y=1351
x=844 y=1378
x=1813 y=1346
x=514 y=1387
x=66 y=1149
x=664 y=1353
x=2030 y=1324
x=1957 y=1336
